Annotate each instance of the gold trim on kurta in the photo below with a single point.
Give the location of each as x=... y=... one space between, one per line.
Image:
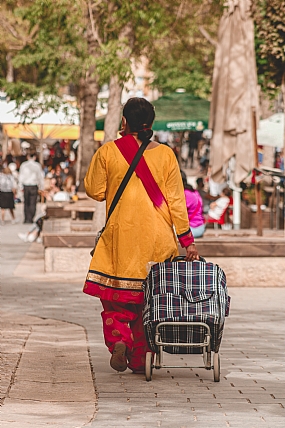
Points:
x=114 y=283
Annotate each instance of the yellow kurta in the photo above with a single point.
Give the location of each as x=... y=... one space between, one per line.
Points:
x=136 y=232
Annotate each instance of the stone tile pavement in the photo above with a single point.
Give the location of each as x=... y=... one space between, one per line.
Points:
x=55 y=368
x=45 y=370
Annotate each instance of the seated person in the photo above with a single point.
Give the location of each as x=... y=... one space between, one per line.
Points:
x=206 y=197
x=218 y=207
x=61 y=196
x=194 y=206
x=59 y=176
x=35 y=230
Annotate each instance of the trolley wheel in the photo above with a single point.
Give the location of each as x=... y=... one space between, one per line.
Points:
x=148 y=366
x=216 y=367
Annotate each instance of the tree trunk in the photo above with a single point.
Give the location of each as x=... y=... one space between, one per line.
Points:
x=88 y=100
x=10 y=68
x=283 y=95
x=87 y=126
x=112 y=120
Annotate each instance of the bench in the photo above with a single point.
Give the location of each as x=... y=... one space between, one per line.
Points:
x=68 y=242
x=56 y=209
x=81 y=206
x=67 y=209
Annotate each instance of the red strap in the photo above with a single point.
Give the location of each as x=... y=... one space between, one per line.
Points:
x=128 y=147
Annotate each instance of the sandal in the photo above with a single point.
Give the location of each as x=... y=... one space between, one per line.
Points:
x=118 y=360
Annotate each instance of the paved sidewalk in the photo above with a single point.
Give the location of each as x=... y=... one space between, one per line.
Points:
x=46 y=377
x=45 y=370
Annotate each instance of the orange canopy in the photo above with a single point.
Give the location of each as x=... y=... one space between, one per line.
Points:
x=42 y=132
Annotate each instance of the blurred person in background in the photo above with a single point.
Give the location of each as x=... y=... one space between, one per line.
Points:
x=34 y=233
x=12 y=163
x=7 y=194
x=206 y=196
x=194 y=204
x=59 y=176
x=57 y=154
x=31 y=179
x=193 y=139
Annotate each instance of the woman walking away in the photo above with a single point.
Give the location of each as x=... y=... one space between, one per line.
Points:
x=194 y=204
x=139 y=230
x=7 y=194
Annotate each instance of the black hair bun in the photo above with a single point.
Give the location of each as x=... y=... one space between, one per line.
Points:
x=145 y=134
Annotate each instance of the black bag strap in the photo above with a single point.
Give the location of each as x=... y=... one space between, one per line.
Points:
x=126 y=178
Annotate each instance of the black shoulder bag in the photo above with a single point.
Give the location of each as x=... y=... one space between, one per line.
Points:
x=121 y=188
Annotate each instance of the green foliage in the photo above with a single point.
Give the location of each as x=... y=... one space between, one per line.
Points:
x=148 y=19
x=66 y=39
x=250 y=197
x=184 y=72
x=110 y=61
x=20 y=91
x=270 y=42
x=183 y=57
x=53 y=56
x=57 y=51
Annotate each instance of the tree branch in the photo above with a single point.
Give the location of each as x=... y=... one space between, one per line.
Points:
x=24 y=40
x=207 y=36
x=94 y=30
x=126 y=41
x=178 y=13
x=33 y=32
x=5 y=24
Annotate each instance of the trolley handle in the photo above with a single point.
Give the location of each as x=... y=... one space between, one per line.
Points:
x=182 y=259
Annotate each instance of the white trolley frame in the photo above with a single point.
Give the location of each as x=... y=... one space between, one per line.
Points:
x=150 y=365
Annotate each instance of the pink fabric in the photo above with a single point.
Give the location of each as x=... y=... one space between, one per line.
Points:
x=186 y=240
x=129 y=147
x=113 y=294
x=123 y=322
x=192 y=201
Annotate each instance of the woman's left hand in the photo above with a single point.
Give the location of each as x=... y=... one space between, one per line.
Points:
x=191 y=253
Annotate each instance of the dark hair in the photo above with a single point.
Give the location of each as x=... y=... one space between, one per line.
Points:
x=9 y=158
x=32 y=154
x=140 y=115
x=185 y=183
x=227 y=192
x=200 y=181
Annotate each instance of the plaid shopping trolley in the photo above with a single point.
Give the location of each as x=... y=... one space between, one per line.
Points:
x=177 y=292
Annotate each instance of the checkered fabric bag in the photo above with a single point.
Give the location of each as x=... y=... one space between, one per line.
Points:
x=185 y=291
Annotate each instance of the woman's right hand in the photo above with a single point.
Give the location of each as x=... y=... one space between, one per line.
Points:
x=191 y=253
